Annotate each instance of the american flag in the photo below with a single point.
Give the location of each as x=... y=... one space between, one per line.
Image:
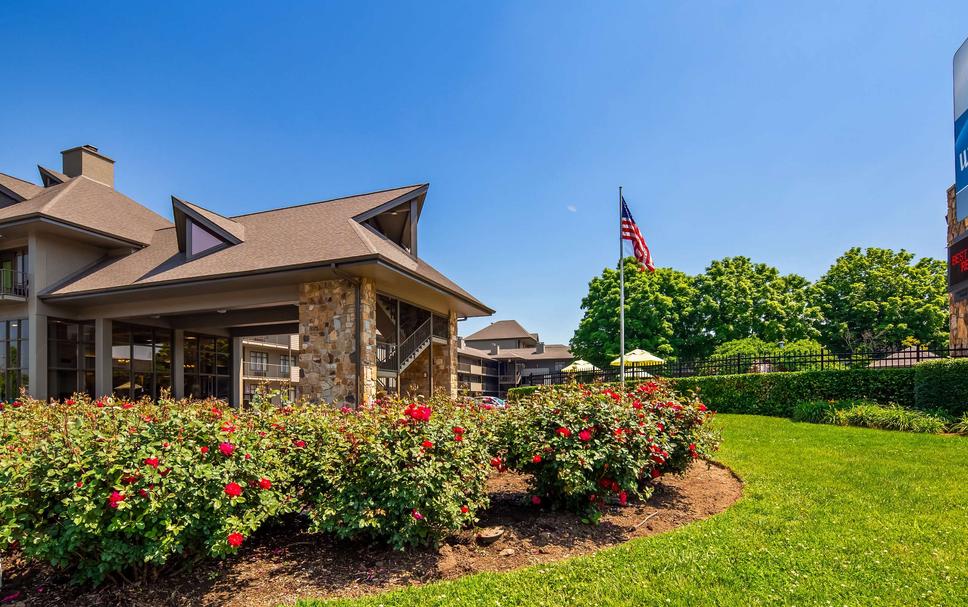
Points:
x=631 y=232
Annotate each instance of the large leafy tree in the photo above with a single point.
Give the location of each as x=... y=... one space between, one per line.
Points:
x=659 y=314
x=877 y=298
x=739 y=299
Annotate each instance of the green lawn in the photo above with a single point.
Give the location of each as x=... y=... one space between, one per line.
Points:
x=830 y=516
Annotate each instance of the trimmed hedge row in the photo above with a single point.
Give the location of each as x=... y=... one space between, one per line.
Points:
x=940 y=385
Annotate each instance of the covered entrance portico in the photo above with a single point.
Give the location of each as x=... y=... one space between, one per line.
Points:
x=354 y=341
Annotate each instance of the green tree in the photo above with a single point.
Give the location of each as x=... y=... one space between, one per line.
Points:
x=659 y=314
x=740 y=299
x=878 y=298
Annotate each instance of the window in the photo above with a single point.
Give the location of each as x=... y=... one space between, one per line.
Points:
x=258 y=363
x=208 y=361
x=70 y=358
x=201 y=240
x=13 y=358
x=140 y=361
x=285 y=364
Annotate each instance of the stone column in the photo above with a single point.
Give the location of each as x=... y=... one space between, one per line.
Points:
x=959 y=307
x=445 y=360
x=334 y=317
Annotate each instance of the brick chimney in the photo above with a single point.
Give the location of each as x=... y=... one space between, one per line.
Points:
x=539 y=349
x=87 y=161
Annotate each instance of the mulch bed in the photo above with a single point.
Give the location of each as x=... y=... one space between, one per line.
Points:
x=283 y=563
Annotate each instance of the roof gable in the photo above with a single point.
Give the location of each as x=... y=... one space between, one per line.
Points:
x=18 y=189
x=502 y=329
x=200 y=231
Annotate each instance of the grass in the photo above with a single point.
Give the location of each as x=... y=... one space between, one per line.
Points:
x=830 y=516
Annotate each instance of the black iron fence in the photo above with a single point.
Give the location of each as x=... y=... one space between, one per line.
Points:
x=745 y=363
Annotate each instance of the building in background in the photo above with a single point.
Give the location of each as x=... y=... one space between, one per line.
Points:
x=270 y=362
x=515 y=352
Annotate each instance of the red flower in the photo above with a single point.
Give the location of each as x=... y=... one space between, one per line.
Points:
x=228 y=427
x=623 y=498
x=265 y=483
x=496 y=462
x=464 y=509
x=427 y=444
x=344 y=410
x=248 y=456
x=216 y=412
x=99 y=404
x=143 y=492
x=15 y=404
x=151 y=461
x=636 y=404
x=702 y=407
x=656 y=473
x=226 y=449
x=660 y=426
x=416 y=515
x=115 y=498
x=535 y=500
x=233 y=490
x=585 y=435
x=458 y=430
x=536 y=459
x=126 y=405
x=79 y=484
x=565 y=432
x=235 y=539
x=127 y=480
x=203 y=449
x=70 y=401
x=458 y=437
x=299 y=443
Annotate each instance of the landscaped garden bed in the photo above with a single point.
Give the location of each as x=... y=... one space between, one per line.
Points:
x=113 y=493
x=283 y=562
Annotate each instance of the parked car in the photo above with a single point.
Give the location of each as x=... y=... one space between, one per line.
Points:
x=493 y=401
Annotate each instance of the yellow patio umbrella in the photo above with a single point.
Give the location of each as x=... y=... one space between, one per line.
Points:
x=637 y=358
x=580 y=366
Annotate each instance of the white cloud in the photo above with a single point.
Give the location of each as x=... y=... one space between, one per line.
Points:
x=572 y=208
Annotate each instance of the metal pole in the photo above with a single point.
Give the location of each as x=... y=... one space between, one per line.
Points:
x=621 y=308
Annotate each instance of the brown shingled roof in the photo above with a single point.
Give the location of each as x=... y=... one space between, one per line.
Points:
x=502 y=329
x=88 y=204
x=23 y=189
x=278 y=239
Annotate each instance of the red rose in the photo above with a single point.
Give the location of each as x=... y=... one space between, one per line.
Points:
x=248 y=456
x=623 y=498
x=233 y=490
x=464 y=509
x=416 y=515
x=496 y=462
x=702 y=407
x=585 y=436
x=458 y=430
x=15 y=404
x=204 y=450
x=565 y=432
x=427 y=444
x=99 y=404
x=70 y=401
x=535 y=500
x=299 y=443
x=265 y=483
x=228 y=427
x=656 y=473
x=536 y=459
x=151 y=461
x=115 y=498
x=235 y=539
x=458 y=437
x=79 y=484
x=226 y=449
x=660 y=426
x=143 y=492
x=126 y=405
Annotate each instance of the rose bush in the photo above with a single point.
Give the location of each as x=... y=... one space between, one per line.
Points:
x=106 y=486
x=585 y=445
x=409 y=473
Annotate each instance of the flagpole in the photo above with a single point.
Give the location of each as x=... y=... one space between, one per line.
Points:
x=621 y=309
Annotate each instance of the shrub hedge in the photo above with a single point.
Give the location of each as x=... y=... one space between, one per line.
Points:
x=942 y=384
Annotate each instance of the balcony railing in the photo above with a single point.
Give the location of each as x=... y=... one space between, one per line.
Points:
x=14 y=285
x=267 y=371
x=270 y=340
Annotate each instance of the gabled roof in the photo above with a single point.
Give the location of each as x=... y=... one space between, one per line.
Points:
x=230 y=232
x=502 y=329
x=18 y=187
x=293 y=237
x=88 y=204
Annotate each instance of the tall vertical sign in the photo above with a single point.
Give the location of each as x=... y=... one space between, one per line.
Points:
x=961 y=131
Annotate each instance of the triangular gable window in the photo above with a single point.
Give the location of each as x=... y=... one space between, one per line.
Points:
x=201 y=240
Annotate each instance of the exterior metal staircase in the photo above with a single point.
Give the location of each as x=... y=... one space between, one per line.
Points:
x=409 y=349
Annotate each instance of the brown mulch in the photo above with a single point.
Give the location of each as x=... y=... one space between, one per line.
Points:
x=283 y=564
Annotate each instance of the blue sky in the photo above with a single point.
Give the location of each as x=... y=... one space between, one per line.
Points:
x=787 y=132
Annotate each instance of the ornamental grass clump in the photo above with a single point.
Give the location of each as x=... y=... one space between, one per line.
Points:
x=410 y=473
x=587 y=445
x=106 y=487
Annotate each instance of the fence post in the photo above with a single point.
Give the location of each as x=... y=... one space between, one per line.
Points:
x=821 y=358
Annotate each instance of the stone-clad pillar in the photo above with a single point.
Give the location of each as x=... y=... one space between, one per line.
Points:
x=445 y=360
x=959 y=306
x=329 y=334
